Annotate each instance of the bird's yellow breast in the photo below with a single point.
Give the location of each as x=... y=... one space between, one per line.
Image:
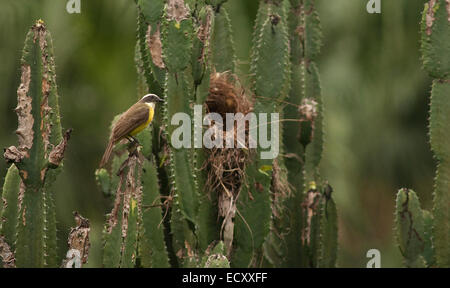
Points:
x=151 y=112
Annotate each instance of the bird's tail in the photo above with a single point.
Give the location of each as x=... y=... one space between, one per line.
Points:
x=107 y=153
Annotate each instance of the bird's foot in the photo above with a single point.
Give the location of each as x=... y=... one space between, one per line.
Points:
x=134 y=140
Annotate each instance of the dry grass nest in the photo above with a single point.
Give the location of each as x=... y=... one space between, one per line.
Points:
x=226 y=166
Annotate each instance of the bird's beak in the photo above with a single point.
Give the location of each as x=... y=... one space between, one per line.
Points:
x=160 y=100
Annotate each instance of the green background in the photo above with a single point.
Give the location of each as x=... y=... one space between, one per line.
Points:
x=376 y=106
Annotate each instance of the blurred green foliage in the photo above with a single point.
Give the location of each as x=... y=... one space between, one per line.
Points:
x=375 y=96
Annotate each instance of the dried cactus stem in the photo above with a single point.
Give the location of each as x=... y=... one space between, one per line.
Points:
x=78 y=242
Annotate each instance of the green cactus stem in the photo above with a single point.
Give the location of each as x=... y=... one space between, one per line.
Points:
x=177 y=34
x=271 y=68
x=40 y=152
x=428 y=251
x=112 y=231
x=328 y=231
x=439 y=127
x=177 y=41
x=121 y=231
x=149 y=40
x=435 y=31
x=9 y=215
x=152 y=248
x=410 y=228
x=207 y=225
x=222 y=52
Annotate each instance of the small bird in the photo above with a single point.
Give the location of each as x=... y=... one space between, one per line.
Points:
x=130 y=123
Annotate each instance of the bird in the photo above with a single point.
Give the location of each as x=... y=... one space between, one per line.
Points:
x=131 y=122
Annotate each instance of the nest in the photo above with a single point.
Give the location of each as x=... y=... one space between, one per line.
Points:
x=226 y=166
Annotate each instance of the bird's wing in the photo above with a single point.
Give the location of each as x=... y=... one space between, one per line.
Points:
x=130 y=120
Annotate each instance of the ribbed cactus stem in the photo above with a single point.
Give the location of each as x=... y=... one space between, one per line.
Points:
x=222 y=53
x=410 y=228
x=149 y=40
x=302 y=212
x=439 y=127
x=121 y=231
x=177 y=46
x=177 y=51
x=9 y=212
x=428 y=251
x=207 y=225
x=270 y=65
x=435 y=30
x=112 y=231
x=152 y=248
x=328 y=231
x=436 y=38
x=40 y=152
x=131 y=200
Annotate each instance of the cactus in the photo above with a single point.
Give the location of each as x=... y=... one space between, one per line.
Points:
x=111 y=233
x=177 y=41
x=222 y=54
x=433 y=228
x=436 y=60
x=133 y=236
x=271 y=68
x=428 y=251
x=78 y=242
x=435 y=39
x=440 y=122
x=410 y=228
x=39 y=156
x=207 y=226
x=152 y=248
x=186 y=48
x=305 y=231
x=10 y=202
x=328 y=231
